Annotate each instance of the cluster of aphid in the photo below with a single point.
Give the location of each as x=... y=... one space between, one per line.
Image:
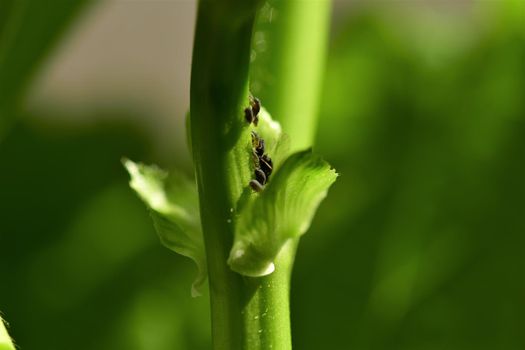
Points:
x=261 y=161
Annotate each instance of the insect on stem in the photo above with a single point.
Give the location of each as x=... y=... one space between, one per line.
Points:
x=251 y=113
x=256 y=186
x=261 y=161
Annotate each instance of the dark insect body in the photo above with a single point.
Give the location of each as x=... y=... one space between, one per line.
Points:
x=260 y=148
x=263 y=169
x=262 y=162
x=257 y=144
x=260 y=176
x=251 y=113
x=256 y=186
x=255 y=103
x=266 y=165
x=248 y=115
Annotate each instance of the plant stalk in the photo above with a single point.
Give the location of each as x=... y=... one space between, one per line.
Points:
x=219 y=90
x=287 y=74
x=246 y=313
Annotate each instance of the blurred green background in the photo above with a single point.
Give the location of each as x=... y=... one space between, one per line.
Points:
x=419 y=245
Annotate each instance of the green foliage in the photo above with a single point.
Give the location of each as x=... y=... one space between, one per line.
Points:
x=5 y=340
x=264 y=223
x=91 y=248
x=284 y=210
x=174 y=208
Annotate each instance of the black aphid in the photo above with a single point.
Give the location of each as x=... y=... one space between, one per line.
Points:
x=250 y=113
x=260 y=148
x=257 y=144
x=260 y=176
x=256 y=105
x=266 y=165
x=262 y=162
x=256 y=186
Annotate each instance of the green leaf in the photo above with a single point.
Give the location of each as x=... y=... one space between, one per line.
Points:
x=282 y=211
x=174 y=207
x=5 y=340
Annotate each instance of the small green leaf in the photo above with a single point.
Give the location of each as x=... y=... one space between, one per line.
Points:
x=5 y=340
x=283 y=210
x=174 y=208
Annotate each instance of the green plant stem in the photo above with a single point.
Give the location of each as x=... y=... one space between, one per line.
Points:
x=288 y=72
x=267 y=315
x=295 y=34
x=219 y=81
x=247 y=313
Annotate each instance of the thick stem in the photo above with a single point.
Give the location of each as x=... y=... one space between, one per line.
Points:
x=287 y=74
x=290 y=46
x=267 y=314
x=218 y=93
